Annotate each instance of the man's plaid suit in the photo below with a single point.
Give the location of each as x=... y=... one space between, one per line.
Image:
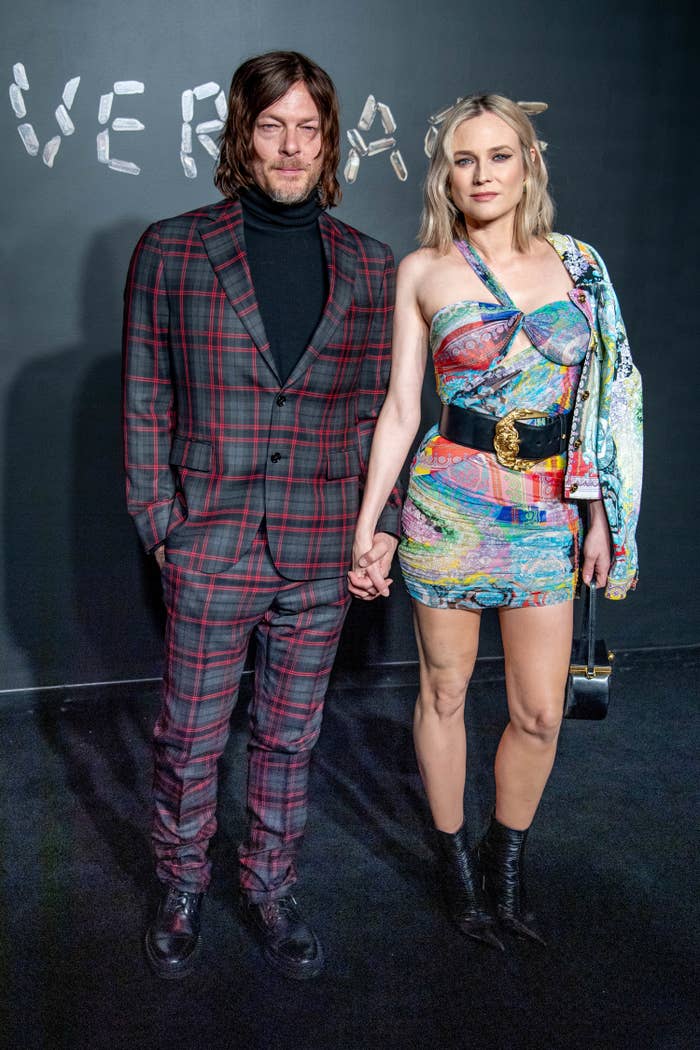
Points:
x=253 y=485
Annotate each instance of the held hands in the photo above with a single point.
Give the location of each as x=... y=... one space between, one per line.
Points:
x=371 y=561
x=597 y=551
x=159 y=555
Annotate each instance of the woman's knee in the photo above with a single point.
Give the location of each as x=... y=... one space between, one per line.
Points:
x=542 y=722
x=443 y=697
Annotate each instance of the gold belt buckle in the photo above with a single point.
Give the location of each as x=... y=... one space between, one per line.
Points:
x=506 y=440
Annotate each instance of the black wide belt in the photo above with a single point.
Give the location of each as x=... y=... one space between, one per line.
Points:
x=516 y=444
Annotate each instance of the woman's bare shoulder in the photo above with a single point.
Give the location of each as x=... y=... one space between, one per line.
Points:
x=414 y=266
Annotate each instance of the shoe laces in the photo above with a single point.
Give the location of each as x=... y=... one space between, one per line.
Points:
x=274 y=910
x=181 y=900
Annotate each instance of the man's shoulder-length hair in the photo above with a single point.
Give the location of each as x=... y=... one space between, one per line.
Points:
x=256 y=85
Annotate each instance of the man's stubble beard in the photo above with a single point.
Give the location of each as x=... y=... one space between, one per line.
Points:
x=292 y=195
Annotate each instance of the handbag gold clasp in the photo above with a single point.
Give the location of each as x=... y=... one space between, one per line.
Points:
x=590 y=672
x=506 y=439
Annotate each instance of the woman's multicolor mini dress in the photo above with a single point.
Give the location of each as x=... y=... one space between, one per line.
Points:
x=475 y=533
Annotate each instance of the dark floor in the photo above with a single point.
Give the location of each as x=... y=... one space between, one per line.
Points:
x=612 y=862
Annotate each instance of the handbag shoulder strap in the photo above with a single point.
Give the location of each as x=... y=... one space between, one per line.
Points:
x=588 y=626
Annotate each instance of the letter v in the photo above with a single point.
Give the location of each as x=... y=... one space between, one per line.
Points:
x=26 y=131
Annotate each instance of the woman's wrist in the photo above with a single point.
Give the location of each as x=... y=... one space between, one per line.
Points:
x=365 y=527
x=596 y=512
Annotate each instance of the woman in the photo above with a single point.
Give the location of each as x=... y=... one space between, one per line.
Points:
x=541 y=409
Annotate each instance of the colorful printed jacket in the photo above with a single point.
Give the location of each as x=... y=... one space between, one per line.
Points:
x=605 y=448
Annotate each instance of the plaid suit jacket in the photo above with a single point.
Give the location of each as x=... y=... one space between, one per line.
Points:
x=213 y=440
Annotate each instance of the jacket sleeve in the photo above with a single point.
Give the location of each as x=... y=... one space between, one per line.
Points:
x=148 y=403
x=374 y=380
x=619 y=439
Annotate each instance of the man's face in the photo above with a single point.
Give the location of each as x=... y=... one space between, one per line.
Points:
x=287 y=147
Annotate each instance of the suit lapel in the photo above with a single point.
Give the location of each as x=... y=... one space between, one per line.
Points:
x=224 y=243
x=223 y=238
x=341 y=259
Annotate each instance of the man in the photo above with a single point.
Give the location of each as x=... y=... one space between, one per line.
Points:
x=256 y=357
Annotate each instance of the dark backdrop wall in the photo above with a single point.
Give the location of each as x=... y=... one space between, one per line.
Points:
x=87 y=163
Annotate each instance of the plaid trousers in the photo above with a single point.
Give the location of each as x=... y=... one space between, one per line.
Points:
x=210 y=620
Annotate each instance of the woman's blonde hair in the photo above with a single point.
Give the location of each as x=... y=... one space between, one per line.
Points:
x=441 y=221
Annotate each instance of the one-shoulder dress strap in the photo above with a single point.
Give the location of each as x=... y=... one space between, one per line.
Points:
x=484 y=274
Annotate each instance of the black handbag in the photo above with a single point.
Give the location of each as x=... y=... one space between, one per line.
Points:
x=588 y=685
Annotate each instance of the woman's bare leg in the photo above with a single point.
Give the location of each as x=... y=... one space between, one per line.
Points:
x=537 y=647
x=447 y=646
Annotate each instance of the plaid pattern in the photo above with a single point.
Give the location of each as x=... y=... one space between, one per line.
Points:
x=213 y=439
x=210 y=621
x=254 y=487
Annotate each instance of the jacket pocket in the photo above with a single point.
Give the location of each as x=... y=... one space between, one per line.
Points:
x=343 y=463
x=191 y=453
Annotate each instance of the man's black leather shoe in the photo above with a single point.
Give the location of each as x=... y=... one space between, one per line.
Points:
x=289 y=943
x=172 y=940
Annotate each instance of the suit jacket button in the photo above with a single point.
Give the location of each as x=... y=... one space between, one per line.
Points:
x=585 y=395
x=275 y=457
x=281 y=400
x=577 y=443
x=573 y=488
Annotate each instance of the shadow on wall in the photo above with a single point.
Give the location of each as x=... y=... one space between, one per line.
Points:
x=83 y=602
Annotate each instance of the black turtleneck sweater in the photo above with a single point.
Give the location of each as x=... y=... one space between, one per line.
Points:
x=288 y=269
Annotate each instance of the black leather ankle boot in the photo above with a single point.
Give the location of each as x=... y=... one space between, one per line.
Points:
x=462 y=884
x=501 y=855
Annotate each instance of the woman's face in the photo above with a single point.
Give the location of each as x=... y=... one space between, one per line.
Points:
x=487 y=173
